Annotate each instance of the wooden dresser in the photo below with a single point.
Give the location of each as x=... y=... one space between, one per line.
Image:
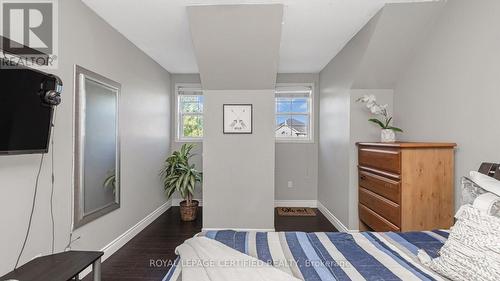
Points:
x=406 y=186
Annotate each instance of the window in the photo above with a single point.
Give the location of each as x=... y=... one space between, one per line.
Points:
x=190 y=112
x=293 y=113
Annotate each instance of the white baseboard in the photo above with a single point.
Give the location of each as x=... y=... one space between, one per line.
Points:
x=333 y=219
x=241 y=229
x=177 y=201
x=296 y=203
x=277 y=203
x=121 y=240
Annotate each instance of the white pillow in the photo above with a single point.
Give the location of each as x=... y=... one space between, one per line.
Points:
x=472 y=251
x=487 y=204
x=490 y=184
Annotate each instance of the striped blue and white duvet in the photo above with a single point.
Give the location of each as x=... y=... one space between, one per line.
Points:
x=325 y=256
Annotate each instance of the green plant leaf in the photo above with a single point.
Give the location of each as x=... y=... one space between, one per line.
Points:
x=179 y=182
x=178 y=174
x=186 y=181
x=388 y=122
x=378 y=122
x=395 y=129
x=192 y=182
x=170 y=192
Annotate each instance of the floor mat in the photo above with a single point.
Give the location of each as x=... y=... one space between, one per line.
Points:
x=296 y=212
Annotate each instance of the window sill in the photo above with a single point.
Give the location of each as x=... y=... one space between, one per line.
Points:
x=189 y=140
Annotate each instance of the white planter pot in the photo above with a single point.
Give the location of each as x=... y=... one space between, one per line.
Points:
x=387 y=135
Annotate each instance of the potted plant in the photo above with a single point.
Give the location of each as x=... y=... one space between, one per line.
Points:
x=179 y=175
x=388 y=131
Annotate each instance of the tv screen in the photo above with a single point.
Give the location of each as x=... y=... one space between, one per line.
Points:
x=25 y=121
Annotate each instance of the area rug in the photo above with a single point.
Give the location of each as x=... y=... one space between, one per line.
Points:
x=296 y=212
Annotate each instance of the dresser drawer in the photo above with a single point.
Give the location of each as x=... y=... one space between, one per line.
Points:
x=385 y=159
x=385 y=208
x=375 y=221
x=388 y=188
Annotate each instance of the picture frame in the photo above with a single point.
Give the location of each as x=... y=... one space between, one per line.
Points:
x=237 y=119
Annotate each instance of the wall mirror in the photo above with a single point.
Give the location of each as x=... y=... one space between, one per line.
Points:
x=97 y=146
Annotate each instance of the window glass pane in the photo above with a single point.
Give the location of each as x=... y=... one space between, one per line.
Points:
x=292 y=126
x=192 y=126
x=282 y=130
x=283 y=105
x=300 y=105
x=191 y=104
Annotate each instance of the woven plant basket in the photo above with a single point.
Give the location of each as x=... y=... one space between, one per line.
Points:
x=188 y=213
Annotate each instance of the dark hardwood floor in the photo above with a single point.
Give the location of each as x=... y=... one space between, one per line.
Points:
x=147 y=256
x=319 y=223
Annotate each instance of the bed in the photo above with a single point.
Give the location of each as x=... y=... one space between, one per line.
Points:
x=325 y=256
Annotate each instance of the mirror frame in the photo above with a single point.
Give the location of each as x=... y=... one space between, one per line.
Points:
x=80 y=217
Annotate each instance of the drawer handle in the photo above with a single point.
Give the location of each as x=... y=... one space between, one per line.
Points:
x=363 y=178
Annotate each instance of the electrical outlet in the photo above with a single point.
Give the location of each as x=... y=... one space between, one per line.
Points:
x=290 y=184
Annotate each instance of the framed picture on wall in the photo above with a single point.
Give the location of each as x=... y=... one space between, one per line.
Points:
x=237 y=119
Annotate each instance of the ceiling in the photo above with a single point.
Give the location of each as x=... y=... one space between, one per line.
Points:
x=313 y=31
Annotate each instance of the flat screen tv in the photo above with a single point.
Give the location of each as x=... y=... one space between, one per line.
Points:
x=25 y=120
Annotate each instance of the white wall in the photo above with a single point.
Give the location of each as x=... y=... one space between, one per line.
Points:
x=87 y=40
x=238 y=170
x=450 y=91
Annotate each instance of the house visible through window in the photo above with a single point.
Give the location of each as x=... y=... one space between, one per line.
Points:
x=293 y=113
x=190 y=113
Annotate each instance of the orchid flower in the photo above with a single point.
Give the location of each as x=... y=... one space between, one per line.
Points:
x=378 y=109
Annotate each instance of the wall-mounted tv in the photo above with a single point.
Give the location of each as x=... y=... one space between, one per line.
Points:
x=25 y=120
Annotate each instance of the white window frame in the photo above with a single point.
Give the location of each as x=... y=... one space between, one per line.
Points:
x=290 y=87
x=178 y=120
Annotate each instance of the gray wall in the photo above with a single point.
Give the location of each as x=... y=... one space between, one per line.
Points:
x=362 y=130
x=236 y=46
x=395 y=40
x=297 y=162
x=450 y=91
x=176 y=145
x=371 y=63
x=238 y=170
x=336 y=80
x=85 y=39
x=238 y=67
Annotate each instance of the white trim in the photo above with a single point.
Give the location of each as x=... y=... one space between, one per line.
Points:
x=296 y=203
x=311 y=113
x=240 y=229
x=334 y=220
x=121 y=240
x=176 y=201
x=277 y=203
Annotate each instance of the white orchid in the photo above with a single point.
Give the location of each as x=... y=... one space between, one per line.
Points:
x=378 y=109
x=367 y=99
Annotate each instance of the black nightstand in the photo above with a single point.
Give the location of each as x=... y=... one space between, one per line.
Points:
x=58 y=267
